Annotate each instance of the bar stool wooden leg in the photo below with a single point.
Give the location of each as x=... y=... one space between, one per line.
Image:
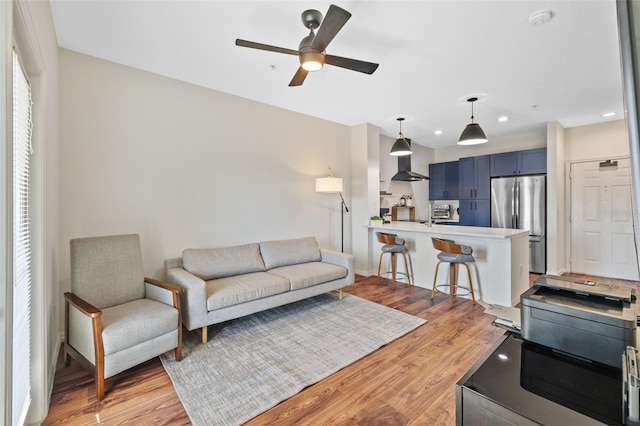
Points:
x=473 y=296
x=452 y=282
x=435 y=279
x=379 y=265
x=406 y=268
x=393 y=268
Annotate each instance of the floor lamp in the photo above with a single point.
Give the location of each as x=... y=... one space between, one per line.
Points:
x=333 y=185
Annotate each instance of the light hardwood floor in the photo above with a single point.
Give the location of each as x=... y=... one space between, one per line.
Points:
x=407 y=382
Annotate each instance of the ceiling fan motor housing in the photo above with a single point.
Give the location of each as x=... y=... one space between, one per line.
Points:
x=310 y=59
x=311 y=18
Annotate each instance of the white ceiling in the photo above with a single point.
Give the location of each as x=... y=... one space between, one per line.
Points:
x=433 y=55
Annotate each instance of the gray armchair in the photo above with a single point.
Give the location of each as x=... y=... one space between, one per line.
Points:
x=115 y=318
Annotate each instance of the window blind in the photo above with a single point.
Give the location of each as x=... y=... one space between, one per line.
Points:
x=21 y=360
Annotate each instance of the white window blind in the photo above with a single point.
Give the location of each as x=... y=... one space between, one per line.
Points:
x=21 y=361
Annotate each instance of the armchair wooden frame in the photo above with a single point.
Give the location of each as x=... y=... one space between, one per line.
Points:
x=96 y=322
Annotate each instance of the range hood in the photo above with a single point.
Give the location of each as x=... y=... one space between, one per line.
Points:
x=404 y=169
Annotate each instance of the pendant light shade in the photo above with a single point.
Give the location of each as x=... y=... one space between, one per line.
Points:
x=400 y=146
x=473 y=133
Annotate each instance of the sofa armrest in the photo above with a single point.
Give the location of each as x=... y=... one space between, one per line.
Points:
x=341 y=259
x=193 y=297
x=163 y=292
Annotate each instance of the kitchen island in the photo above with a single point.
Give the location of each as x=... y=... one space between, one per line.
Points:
x=501 y=270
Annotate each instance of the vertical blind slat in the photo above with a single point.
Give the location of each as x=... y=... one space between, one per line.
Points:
x=22 y=125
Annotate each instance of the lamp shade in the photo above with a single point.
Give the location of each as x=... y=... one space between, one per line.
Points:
x=329 y=184
x=400 y=147
x=472 y=135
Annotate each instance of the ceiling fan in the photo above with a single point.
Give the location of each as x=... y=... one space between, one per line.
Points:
x=312 y=48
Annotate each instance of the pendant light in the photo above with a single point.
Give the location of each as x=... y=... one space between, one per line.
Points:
x=400 y=146
x=473 y=133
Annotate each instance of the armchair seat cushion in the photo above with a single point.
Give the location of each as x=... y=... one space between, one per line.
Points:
x=129 y=324
x=309 y=274
x=237 y=289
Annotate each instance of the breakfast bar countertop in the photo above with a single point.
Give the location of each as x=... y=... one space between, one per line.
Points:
x=500 y=272
x=468 y=231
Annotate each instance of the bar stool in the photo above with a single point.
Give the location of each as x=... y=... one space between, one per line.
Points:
x=394 y=245
x=454 y=254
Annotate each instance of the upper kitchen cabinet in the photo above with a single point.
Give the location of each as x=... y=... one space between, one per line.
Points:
x=443 y=181
x=474 y=175
x=527 y=162
x=475 y=184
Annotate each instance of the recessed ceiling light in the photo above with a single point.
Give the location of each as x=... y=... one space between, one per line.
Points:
x=437 y=132
x=608 y=114
x=503 y=119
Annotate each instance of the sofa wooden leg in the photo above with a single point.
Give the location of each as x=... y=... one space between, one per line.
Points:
x=204 y=334
x=338 y=293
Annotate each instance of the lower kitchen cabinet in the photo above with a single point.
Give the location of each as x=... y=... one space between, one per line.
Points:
x=475 y=212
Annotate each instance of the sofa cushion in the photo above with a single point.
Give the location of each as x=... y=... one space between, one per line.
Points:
x=289 y=252
x=309 y=274
x=212 y=263
x=237 y=289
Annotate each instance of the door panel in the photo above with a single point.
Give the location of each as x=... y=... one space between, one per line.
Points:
x=502 y=202
x=602 y=238
x=532 y=204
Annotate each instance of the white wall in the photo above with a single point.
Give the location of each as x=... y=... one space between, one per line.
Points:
x=421 y=157
x=186 y=166
x=556 y=200
x=365 y=187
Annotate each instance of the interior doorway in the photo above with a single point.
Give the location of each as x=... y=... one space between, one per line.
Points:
x=602 y=237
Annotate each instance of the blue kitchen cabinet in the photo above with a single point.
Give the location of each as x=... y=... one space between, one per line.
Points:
x=475 y=190
x=443 y=181
x=475 y=177
x=532 y=161
x=526 y=162
x=475 y=213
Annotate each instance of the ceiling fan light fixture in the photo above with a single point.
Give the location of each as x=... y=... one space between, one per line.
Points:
x=311 y=61
x=472 y=133
x=400 y=146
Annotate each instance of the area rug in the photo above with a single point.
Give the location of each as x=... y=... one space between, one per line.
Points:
x=251 y=364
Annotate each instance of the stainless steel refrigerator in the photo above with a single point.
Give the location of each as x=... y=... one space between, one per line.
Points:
x=520 y=203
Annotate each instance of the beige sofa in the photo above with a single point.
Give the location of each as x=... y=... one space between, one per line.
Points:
x=226 y=283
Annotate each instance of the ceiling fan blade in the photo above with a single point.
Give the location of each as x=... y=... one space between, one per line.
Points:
x=333 y=21
x=254 y=45
x=351 y=64
x=298 y=79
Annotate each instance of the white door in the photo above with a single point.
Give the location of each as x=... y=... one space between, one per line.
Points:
x=602 y=238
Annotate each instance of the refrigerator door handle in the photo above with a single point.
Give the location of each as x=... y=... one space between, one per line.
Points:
x=516 y=201
x=513 y=206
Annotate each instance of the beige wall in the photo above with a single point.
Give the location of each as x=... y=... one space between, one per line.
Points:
x=596 y=141
x=186 y=166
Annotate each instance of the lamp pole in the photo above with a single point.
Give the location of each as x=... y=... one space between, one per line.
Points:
x=343 y=207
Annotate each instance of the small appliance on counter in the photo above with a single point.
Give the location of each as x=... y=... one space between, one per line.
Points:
x=582 y=318
x=441 y=212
